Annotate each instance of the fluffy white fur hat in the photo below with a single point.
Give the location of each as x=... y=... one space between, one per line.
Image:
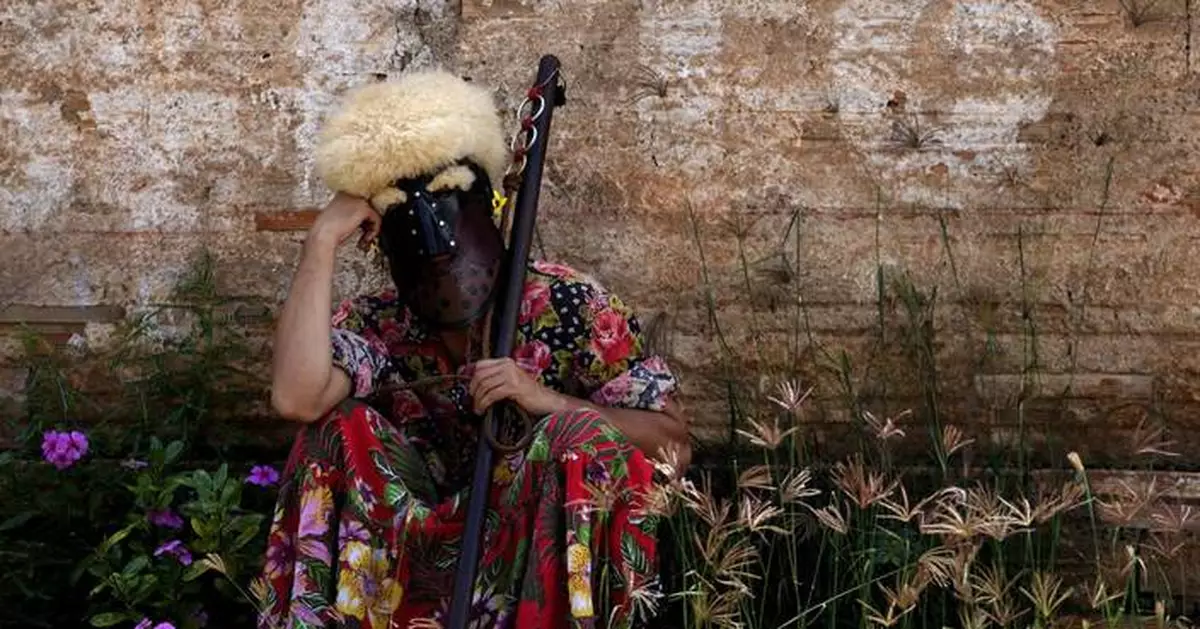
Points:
x=416 y=125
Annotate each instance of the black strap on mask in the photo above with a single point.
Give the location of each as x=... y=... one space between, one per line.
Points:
x=422 y=226
x=433 y=235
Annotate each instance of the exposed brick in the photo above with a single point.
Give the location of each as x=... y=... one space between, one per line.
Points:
x=1011 y=387
x=248 y=314
x=23 y=313
x=1172 y=486
x=1191 y=45
x=296 y=220
x=56 y=334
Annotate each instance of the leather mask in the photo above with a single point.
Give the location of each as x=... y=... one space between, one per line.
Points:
x=443 y=249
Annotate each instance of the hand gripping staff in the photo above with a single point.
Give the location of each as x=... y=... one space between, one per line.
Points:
x=545 y=95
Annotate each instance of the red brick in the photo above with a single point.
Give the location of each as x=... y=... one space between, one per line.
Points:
x=24 y=313
x=285 y=221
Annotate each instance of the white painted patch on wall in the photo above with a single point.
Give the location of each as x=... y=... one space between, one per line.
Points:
x=1006 y=40
x=144 y=291
x=110 y=34
x=339 y=45
x=81 y=283
x=782 y=10
x=43 y=48
x=1005 y=43
x=183 y=30
x=682 y=43
x=44 y=191
x=152 y=141
x=39 y=187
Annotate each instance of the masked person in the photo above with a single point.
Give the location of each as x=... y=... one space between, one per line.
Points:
x=372 y=505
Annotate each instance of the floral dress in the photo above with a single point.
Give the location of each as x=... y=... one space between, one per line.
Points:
x=372 y=509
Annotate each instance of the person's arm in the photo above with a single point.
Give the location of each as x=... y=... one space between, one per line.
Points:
x=663 y=435
x=305 y=385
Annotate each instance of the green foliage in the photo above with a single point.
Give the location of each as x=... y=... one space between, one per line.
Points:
x=161 y=405
x=133 y=572
x=190 y=368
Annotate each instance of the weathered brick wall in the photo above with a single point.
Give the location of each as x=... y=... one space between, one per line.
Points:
x=1032 y=160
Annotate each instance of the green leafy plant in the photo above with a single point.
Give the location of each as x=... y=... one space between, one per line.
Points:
x=187 y=537
x=117 y=451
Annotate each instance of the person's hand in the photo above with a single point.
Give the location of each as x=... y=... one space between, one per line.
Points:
x=499 y=379
x=344 y=215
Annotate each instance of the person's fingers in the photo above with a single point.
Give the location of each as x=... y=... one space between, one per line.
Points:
x=480 y=371
x=492 y=363
x=365 y=238
x=493 y=393
x=478 y=375
x=487 y=375
x=369 y=223
x=485 y=368
x=374 y=222
x=483 y=382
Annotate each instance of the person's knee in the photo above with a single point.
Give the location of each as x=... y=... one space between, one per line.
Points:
x=349 y=416
x=348 y=410
x=578 y=429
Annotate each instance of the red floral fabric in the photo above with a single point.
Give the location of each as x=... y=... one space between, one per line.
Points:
x=370 y=515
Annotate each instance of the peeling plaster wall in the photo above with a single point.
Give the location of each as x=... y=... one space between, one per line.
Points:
x=1034 y=160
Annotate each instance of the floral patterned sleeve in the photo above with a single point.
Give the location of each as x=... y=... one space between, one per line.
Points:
x=357 y=348
x=612 y=362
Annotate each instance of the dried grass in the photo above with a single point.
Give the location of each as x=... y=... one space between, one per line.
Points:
x=779 y=510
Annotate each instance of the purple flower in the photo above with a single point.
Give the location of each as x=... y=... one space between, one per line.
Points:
x=165 y=518
x=146 y=623
x=176 y=549
x=63 y=449
x=263 y=476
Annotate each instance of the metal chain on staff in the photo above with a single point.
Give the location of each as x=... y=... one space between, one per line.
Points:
x=522 y=142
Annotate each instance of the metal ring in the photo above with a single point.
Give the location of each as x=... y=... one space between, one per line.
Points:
x=489 y=432
x=521 y=108
x=533 y=137
x=541 y=101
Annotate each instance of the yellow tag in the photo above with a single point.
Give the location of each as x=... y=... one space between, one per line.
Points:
x=498 y=202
